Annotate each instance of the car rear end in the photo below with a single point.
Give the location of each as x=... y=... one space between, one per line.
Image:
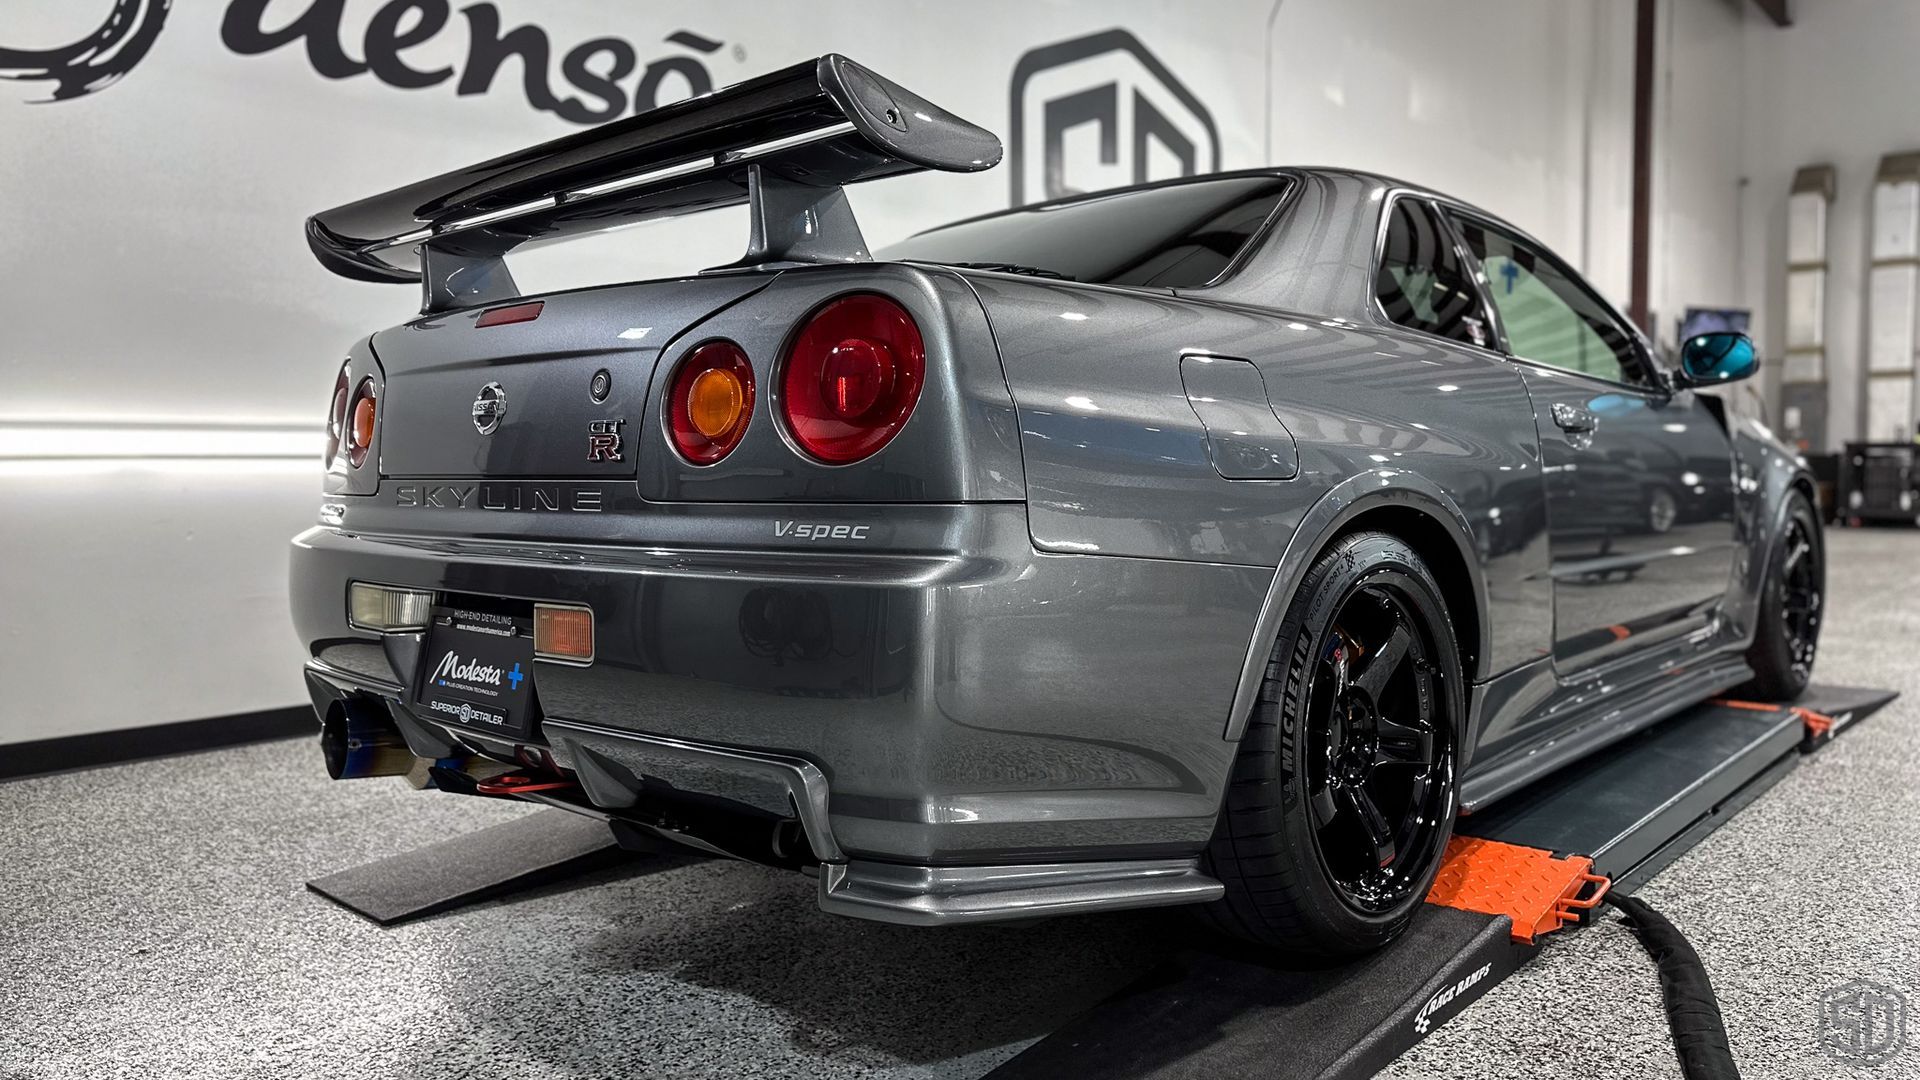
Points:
x=746 y=561
x=823 y=640
x=743 y=559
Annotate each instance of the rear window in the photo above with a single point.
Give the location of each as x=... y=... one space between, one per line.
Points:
x=1178 y=236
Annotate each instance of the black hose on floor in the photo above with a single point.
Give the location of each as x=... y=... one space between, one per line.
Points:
x=1693 y=1012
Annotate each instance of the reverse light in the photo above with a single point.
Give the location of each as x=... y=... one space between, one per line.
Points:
x=337 y=414
x=710 y=402
x=360 y=423
x=563 y=633
x=851 y=377
x=386 y=610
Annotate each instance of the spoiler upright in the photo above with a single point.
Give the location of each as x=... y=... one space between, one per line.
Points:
x=784 y=143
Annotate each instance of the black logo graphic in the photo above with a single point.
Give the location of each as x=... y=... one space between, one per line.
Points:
x=594 y=69
x=1108 y=81
x=593 y=75
x=96 y=61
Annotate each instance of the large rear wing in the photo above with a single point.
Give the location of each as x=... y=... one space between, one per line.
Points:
x=784 y=143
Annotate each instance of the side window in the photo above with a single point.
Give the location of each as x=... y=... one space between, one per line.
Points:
x=1421 y=283
x=1549 y=318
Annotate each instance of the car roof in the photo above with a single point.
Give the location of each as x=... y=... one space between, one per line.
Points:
x=1317 y=265
x=1371 y=179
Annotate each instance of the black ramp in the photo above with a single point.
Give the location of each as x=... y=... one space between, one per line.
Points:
x=541 y=847
x=1845 y=705
x=1637 y=805
x=1624 y=803
x=1207 y=1015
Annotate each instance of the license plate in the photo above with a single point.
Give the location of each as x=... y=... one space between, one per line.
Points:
x=477 y=671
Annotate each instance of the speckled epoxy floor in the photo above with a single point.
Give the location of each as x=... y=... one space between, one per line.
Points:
x=155 y=924
x=1815 y=884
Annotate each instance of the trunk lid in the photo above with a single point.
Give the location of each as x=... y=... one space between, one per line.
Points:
x=539 y=374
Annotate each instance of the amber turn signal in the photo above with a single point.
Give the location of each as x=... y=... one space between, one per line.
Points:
x=563 y=633
x=713 y=405
x=710 y=402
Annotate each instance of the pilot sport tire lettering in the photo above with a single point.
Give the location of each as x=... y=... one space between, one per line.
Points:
x=1792 y=601
x=1343 y=792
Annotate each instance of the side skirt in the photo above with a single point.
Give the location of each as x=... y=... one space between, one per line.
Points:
x=1612 y=718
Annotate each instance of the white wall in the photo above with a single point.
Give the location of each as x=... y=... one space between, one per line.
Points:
x=159 y=290
x=142 y=591
x=1697 y=185
x=159 y=295
x=1842 y=87
x=1541 y=135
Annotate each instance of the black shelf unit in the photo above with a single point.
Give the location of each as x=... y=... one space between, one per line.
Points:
x=1880 y=482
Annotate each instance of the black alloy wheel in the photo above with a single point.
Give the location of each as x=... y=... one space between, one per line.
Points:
x=1799 y=587
x=1791 y=603
x=1343 y=791
x=1380 y=779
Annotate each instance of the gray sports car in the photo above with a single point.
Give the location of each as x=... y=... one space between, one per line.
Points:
x=1213 y=541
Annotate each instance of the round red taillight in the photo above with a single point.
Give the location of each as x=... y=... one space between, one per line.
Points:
x=360 y=423
x=710 y=402
x=851 y=377
x=337 y=414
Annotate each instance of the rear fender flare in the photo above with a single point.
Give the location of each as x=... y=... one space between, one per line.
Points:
x=1325 y=520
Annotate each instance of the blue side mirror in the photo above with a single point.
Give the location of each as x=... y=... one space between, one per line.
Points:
x=1711 y=359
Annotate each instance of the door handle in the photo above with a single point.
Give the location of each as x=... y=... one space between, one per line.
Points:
x=1572 y=419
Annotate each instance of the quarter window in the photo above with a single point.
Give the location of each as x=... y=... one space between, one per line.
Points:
x=1548 y=316
x=1421 y=283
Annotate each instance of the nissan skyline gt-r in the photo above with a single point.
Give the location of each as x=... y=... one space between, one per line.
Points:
x=1214 y=541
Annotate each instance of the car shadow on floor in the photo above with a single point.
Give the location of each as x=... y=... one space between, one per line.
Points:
x=751 y=942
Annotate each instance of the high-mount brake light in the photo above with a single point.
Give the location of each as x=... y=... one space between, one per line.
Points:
x=360 y=423
x=337 y=414
x=710 y=402
x=851 y=377
x=507 y=316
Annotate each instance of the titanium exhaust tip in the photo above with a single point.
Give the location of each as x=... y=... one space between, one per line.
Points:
x=358 y=739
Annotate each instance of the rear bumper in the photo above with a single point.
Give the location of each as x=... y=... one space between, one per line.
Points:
x=981 y=709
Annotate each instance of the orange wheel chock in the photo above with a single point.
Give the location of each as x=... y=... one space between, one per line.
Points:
x=1538 y=891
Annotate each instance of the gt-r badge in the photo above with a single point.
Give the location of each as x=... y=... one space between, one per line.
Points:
x=603 y=440
x=489 y=407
